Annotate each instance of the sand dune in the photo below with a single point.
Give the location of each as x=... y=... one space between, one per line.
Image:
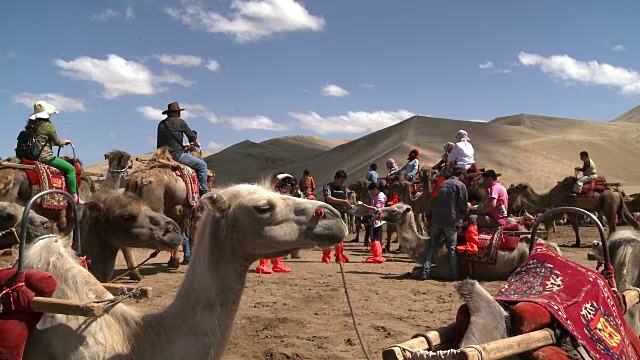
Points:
x=631 y=116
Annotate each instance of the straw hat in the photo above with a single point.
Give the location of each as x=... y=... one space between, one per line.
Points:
x=43 y=110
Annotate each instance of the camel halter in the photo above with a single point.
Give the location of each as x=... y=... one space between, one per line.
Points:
x=13 y=230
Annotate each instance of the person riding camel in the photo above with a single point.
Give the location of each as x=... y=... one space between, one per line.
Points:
x=393 y=197
x=462 y=153
x=45 y=137
x=372 y=175
x=588 y=170
x=442 y=164
x=282 y=184
x=170 y=134
x=492 y=215
x=412 y=166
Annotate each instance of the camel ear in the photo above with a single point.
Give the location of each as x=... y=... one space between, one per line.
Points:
x=106 y=155
x=94 y=207
x=215 y=202
x=407 y=210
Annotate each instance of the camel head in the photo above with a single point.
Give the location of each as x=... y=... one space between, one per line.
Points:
x=126 y=221
x=118 y=160
x=401 y=186
x=258 y=223
x=10 y=215
x=394 y=214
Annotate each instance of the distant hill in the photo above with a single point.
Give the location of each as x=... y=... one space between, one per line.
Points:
x=631 y=116
x=248 y=161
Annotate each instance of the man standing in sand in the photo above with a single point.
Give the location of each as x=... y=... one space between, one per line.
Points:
x=588 y=170
x=335 y=194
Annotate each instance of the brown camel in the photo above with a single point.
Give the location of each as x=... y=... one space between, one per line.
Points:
x=11 y=219
x=163 y=191
x=15 y=187
x=241 y=224
x=609 y=203
x=114 y=220
x=119 y=163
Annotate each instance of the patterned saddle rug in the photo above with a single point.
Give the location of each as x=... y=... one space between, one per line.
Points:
x=188 y=175
x=44 y=178
x=578 y=298
x=594 y=187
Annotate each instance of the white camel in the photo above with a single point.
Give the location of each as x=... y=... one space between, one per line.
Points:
x=415 y=246
x=243 y=223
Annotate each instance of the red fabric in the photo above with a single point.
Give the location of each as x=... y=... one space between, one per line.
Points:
x=376 y=253
x=550 y=353
x=339 y=255
x=84 y=262
x=188 y=175
x=578 y=298
x=511 y=227
x=415 y=153
x=394 y=199
x=326 y=255
x=530 y=317
x=17 y=319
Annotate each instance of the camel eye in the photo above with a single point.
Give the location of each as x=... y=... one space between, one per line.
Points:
x=128 y=216
x=263 y=209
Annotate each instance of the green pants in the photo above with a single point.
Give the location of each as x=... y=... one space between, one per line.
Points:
x=68 y=170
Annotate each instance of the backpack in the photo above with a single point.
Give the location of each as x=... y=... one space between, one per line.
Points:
x=27 y=148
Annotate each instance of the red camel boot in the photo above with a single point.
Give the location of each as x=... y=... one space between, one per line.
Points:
x=340 y=256
x=278 y=266
x=376 y=253
x=263 y=268
x=471 y=247
x=326 y=255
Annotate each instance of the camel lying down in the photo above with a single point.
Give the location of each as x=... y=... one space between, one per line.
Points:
x=242 y=224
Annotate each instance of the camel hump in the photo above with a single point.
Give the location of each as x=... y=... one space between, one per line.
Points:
x=162 y=154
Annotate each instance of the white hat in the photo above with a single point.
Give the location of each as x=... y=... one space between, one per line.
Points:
x=43 y=110
x=462 y=135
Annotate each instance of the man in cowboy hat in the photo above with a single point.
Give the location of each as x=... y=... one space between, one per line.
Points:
x=170 y=134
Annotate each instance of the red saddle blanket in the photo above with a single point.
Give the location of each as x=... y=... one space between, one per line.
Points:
x=491 y=240
x=44 y=178
x=577 y=297
x=190 y=179
x=593 y=187
x=17 y=319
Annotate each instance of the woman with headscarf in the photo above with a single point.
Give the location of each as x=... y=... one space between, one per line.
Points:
x=411 y=166
x=462 y=153
x=393 y=197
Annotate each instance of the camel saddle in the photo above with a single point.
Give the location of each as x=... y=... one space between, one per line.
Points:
x=491 y=240
x=594 y=187
x=44 y=177
x=188 y=175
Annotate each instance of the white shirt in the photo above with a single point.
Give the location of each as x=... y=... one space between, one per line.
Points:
x=462 y=154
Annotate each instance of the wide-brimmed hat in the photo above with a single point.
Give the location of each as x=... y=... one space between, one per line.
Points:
x=43 y=110
x=174 y=106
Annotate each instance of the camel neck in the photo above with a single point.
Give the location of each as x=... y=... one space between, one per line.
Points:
x=112 y=180
x=100 y=253
x=407 y=230
x=198 y=324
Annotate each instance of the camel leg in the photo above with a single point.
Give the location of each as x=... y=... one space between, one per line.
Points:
x=573 y=219
x=131 y=263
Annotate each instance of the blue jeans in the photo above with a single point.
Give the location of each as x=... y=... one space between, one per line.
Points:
x=186 y=249
x=200 y=168
x=450 y=234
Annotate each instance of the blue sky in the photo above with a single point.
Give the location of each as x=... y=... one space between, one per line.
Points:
x=257 y=69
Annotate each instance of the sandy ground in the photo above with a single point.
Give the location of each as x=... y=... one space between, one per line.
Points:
x=304 y=314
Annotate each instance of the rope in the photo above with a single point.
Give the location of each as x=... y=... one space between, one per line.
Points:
x=12 y=230
x=110 y=303
x=153 y=254
x=9 y=290
x=353 y=315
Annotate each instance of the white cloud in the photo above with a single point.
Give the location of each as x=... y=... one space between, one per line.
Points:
x=251 y=20
x=192 y=111
x=11 y=54
x=180 y=60
x=592 y=72
x=112 y=134
x=62 y=103
x=213 y=65
x=257 y=122
x=106 y=15
x=487 y=65
x=477 y=120
x=352 y=122
x=368 y=86
x=214 y=146
x=128 y=13
x=118 y=76
x=334 y=90
x=150 y=113
x=618 y=48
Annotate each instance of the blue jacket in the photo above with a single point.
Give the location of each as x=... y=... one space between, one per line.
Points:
x=412 y=170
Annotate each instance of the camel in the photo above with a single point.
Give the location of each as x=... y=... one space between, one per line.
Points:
x=415 y=246
x=115 y=220
x=420 y=205
x=609 y=203
x=119 y=163
x=15 y=187
x=241 y=224
x=351 y=219
x=624 y=250
x=11 y=218
x=163 y=191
